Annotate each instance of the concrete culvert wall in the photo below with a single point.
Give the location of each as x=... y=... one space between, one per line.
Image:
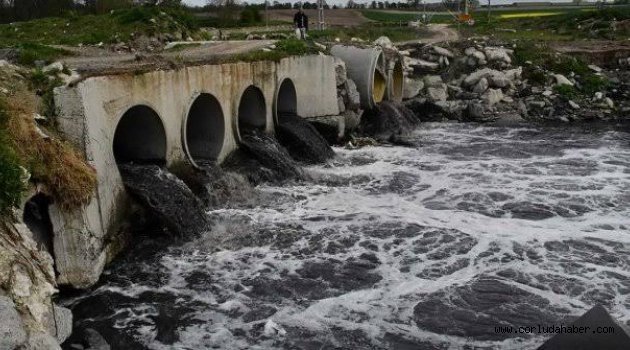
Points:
x=364 y=67
x=140 y=137
x=37 y=219
x=286 y=99
x=204 y=130
x=252 y=111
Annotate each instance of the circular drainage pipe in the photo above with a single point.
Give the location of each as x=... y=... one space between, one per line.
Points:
x=365 y=68
x=286 y=99
x=204 y=130
x=140 y=137
x=252 y=111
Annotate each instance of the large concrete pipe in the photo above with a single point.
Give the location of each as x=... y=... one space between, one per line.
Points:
x=286 y=99
x=366 y=68
x=252 y=110
x=140 y=137
x=204 y=130
x=396 y=80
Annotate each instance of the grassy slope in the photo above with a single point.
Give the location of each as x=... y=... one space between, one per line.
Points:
x=569 y=25
x=54 y=164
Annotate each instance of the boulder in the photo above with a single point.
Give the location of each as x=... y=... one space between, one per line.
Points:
x=469 y=51
x=495 y=78
x=437 y=93
x=412 y=88
x=562 y=80
x=609 y=102
x=481 y=86
x=498 y=79
x=63 y=321
x=354 y=99
x=494 y=54
x=42 y=341
x=492 y=97
x=480 y=57
x=574 y=105
x=95 y=340
x=384 y=42
x=54 y=67
x=421 y=64
x=514 y=74
x=443 y=52
x=433 y=81
x=595 y=68
x=12 y=333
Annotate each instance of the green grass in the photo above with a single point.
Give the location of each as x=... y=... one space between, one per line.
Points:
x=556 y=24
x=284 y=48
x=93 y=29
x=398 y=17
x=11 y=186
x=29 y=53
x=367 y=32
x=567 y=91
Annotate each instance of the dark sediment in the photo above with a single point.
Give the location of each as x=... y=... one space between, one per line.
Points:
x=167 y=197
x=302 y=140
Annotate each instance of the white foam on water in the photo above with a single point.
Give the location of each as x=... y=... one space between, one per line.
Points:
x=464 y=181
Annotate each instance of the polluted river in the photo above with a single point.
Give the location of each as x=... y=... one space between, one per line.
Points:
x=430 y=245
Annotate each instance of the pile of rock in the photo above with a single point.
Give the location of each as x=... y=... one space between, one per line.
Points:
x=334 y=128
x=475 y=82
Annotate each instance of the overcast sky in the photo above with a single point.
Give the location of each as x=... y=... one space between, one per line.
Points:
x=343 y=2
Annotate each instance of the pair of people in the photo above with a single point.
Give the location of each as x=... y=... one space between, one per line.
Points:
x=300 y=21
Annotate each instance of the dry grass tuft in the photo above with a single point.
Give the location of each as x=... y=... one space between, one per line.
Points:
x=62 y=171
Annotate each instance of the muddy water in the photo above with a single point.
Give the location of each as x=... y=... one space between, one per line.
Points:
x=393 y=248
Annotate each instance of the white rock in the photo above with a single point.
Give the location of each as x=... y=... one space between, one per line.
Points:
x=384 y=42
x=595 y=68
x=514 y=74
x=443 y=52
x=497 y=54
x=480 y=57
x=481 y=86
x=416 y=62
x=412 y=88
x=562 y=80
x=599 y=95
x=498 y=79
x=12 y=333
x=272 y=329
x=469 y=51
x=320 y=46
x=609 y=102
x=547 y=93
x=63 y=321
x=337 y=40
x=574 y=105
x=57 y=66
x=492 y=97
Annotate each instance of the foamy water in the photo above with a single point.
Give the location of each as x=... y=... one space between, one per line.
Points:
x=394 y=248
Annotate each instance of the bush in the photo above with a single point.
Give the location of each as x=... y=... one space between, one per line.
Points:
x=250 y=15
x=566 y=91
x=592 y=83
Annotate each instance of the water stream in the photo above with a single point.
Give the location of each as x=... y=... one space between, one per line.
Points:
x=388 y=247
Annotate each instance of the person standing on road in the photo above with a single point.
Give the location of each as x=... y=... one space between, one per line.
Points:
x=300 y=20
